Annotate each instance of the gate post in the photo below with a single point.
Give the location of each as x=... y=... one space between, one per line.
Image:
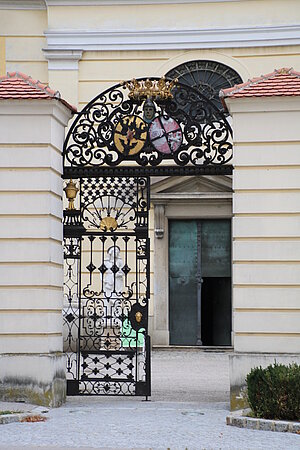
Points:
x=32 y=128
x=266 y=225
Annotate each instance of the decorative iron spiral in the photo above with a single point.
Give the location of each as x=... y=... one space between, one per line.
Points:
x=186 y=130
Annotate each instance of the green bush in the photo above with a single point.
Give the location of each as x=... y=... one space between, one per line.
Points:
x=274 y=392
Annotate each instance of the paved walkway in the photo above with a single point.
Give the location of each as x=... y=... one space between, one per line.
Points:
x=187 y=411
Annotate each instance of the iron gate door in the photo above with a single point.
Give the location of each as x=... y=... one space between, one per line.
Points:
x=109 y=326
x=131 y=131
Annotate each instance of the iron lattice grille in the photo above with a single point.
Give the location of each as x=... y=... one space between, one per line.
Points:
x=71 y=303
x=114 y=129
x=207 y=77
x=107 y=288
x=112 y=197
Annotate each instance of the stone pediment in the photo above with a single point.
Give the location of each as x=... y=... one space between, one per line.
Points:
x=191 y=184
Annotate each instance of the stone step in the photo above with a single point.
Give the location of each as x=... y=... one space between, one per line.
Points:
x=198 y=348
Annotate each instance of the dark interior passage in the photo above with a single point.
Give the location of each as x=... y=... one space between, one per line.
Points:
x=216 y=311
x=200 y=282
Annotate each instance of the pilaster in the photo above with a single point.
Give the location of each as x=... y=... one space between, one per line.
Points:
x=63 y=66
x=266 y=235
x=32 y=364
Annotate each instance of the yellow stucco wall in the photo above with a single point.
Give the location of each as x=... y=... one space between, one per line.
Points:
x=2 y=56
x=100 y=70
x=22 y=39
x=186 y=15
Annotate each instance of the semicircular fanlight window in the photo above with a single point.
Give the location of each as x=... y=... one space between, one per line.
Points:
x=208 y=77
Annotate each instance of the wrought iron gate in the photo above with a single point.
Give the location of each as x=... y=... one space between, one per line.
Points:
x=107 y=262
x=125 y=135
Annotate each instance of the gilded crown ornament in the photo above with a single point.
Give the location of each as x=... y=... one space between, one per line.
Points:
x=150 y=89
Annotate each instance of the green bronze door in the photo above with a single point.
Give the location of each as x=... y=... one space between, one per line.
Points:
x=200 y=282
x=183 y=283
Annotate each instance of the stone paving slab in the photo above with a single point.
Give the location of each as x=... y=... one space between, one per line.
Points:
x=133 y=424
x=188 y=410
x=263 y=424
x=10 y=418
x=67 y=448
x=16 y=406
x=18 y=412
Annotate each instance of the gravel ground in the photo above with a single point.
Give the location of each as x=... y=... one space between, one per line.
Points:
x=187 y=411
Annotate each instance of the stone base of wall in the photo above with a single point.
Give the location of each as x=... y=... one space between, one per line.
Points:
x=43 y=379
x=159 y=337
x=240 y=365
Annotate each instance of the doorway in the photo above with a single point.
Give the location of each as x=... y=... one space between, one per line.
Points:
x=200 y=282
x=125 y=135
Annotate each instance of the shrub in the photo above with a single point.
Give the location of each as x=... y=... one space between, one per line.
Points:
x=274 y=392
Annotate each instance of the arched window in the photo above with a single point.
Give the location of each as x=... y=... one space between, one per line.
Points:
x=208 y=77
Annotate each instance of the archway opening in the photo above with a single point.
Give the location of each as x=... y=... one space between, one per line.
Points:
x=132 y=131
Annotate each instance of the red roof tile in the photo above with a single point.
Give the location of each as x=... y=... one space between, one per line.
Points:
x=281 y=82
x=18 y=86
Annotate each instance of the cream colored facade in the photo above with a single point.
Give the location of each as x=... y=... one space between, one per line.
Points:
x=83 y=47
x=32 y=365
x=266 y=232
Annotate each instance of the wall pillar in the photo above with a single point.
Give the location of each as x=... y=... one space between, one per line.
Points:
x=266 y=235
x=160 y=334
x=63 y=72
x=32 y=365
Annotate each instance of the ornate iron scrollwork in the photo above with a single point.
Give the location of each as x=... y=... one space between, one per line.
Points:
x=114 y=129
